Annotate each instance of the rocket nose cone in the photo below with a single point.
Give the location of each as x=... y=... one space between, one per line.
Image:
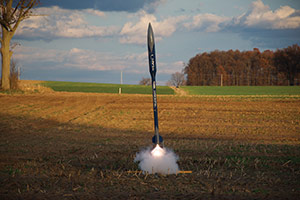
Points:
x=150 y=38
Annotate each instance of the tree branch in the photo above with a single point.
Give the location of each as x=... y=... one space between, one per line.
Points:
x=4 y=25
x=16 y=8
x=24 y=12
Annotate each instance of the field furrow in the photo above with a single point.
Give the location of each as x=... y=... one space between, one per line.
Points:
x=59 y=145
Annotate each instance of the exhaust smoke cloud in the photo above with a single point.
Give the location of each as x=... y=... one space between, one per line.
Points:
x=159 y=160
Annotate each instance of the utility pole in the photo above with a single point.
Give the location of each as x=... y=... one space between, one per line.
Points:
x=121 y=77
x=221 y=79
x=121 y=82
x=19 y=73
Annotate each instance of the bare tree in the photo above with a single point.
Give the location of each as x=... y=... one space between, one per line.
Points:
x=177 y=79
x=12 y=12
x=14 y=75
x=145 y=81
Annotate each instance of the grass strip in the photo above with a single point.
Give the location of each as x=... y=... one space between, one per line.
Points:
x=105 y=88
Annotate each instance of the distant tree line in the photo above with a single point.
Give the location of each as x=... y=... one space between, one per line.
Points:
x=252 y=68
x=145 y=81
x=177 y=80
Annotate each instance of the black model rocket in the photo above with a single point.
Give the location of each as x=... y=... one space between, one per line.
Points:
x=157 y=139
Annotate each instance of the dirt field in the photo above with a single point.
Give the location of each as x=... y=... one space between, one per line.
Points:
x=82 y=146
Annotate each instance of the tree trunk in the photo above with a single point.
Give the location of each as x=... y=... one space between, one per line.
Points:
x=291 y=78
x=6 y=56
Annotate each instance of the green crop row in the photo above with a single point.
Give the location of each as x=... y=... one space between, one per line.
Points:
x=105 y=88
x=165 y=90
x=242 y=90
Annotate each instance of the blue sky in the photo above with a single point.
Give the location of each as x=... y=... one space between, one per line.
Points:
x=94 y=40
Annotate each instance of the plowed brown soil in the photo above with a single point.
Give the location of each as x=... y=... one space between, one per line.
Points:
x=79 y=145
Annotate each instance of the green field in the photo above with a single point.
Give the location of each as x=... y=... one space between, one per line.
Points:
x=165 y=90
x=105 y=88
x=242 y=90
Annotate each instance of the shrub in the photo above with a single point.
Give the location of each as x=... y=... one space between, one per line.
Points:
x=14 y=75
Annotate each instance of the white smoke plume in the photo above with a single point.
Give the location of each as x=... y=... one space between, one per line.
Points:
x=159 y=160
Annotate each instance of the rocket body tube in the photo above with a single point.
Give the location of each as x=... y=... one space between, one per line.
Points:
x=152 y=68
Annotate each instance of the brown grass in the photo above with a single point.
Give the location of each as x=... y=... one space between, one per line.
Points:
x=33 y=86
x=14 y=76
x=75 y=146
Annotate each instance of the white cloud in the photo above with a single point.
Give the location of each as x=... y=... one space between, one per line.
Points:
x=170 y=68
x=32 y=54
x=135 y=33
x=258 y=16
x=89 y=60
x=261 y=16
x=152 y=5
x=94 y=12
x=56 y=22
x=64 y=23
x=93 y=60
x=206 y=22
x=259 y=23
x=76 y=58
